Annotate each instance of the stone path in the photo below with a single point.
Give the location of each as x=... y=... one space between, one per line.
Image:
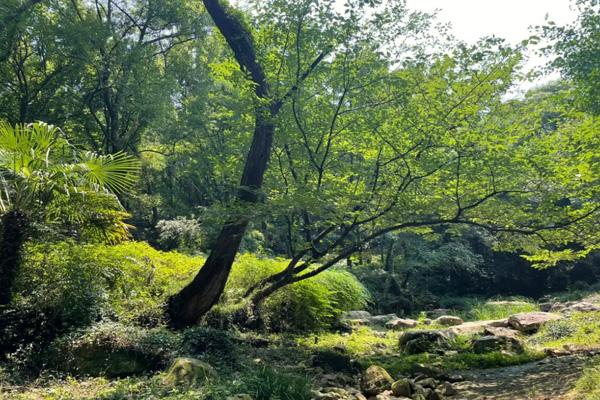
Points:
x=547 y=379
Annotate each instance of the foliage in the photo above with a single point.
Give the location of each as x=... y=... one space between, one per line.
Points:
x=181 y=233
x=499 y=309
x=218 y=344
x=588 y=386
x=309 y=305
x=41 y=174
x=89 y=351
x=579 y=329
x=576 y=49
x=131 y=279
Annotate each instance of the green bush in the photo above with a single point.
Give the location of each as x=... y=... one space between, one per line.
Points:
x=131 y=281
x=83 y=282
x=218 y=344
x=307 y=305
x=113 y=350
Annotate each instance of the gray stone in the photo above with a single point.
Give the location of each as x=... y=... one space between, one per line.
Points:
x=448 y=320
x=487 y=344
x=532 y=321
x=421 y=341
x=401 y=323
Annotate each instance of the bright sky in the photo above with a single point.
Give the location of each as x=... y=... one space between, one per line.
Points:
x=509 y=19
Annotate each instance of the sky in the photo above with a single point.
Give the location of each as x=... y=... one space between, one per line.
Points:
x=509 y=19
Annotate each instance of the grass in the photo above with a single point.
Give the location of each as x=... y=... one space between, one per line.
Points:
x=475 y=309
x=370 y=347
x=580 y=329
x=588 y=386
x=360 y=342
x=262 y=384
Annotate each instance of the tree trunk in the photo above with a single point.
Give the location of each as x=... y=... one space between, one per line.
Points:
x=13 y=235
x=190 y=304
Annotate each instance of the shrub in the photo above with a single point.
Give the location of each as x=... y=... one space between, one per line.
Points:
x=181 y=233
x=112 y=349
x=84 y=282
x=307 y=305
x=202 y=340
x=579 y=329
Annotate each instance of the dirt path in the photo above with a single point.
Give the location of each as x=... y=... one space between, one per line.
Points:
x=547 y=379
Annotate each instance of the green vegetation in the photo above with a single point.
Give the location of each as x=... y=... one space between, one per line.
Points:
x=212 y=187
x=588 y=386
x=580 y=329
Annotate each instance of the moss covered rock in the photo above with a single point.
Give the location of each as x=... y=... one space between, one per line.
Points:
x=189 y=372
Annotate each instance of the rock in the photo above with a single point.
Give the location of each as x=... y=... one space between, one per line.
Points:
x=448 y=320
x=476 y=327
x=581 y=306
x=402 y=387
x=487 y=344
x=400 y=323
x=427 y=371
x=428 y=383
x=435 y=395
x=334 y=361
x=382 y=319
x=189 y=371
x=427 y=321
x=532 y=321
x=448 y=389
x=332 y=393
x=421 y=341
x=501 y=332
x=546 y=307
x=437 y=312
x=375 y=380
x=348 y=315
x=388 y=395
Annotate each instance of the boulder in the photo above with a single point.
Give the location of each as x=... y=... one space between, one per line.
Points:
x=477 y=327
x=546 y=307
x=402 y=388
x=375 y=380
x=388 y=395
x=427 y=371
x=580 y=306
x=421 y=341
x=430 y=383
x=487 y=344
x=448 y=320
x=532 y=321
x=400 y=323
x=500 y=331
x=447 y=389
x=382 y=319
x=356 y=315
x=189 y=371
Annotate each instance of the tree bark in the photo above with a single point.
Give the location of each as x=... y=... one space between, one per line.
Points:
x=13 y=235
x=190 y=304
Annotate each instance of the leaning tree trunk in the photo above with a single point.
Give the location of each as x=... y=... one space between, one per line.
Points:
x=190 y=304
x=13 y=235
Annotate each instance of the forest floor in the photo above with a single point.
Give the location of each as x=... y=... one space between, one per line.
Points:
x=547 y=379
x=560 y=362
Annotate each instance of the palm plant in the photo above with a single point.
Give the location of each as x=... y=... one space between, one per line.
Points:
x=45 y=181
